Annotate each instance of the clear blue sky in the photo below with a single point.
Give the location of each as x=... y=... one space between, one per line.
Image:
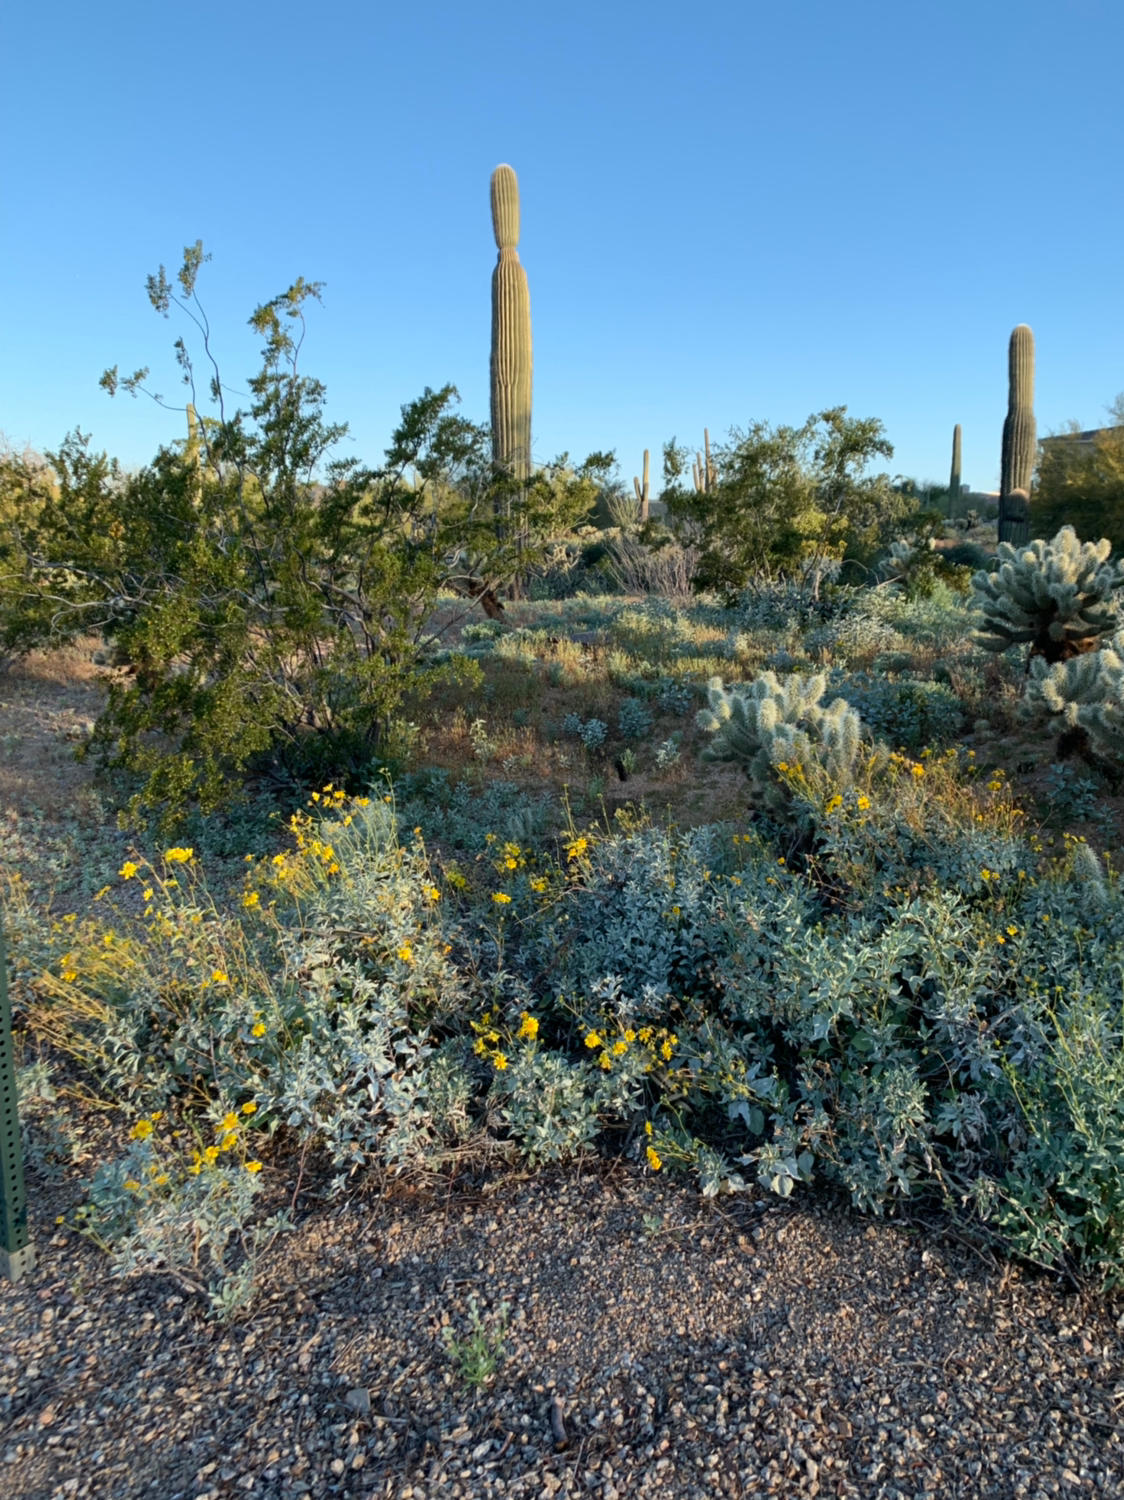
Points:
x=730 y=211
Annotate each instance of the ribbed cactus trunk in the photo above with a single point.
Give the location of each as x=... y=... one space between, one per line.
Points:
x=511 y=334
x=1019 y=440
x=642 y=492
x=954 y=476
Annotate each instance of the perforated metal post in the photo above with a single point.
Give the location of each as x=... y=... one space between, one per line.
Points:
x=16 y=1256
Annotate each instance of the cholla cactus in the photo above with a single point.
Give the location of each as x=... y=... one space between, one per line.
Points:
x=765 y=723
x=1061 y=596
x=1087 y=694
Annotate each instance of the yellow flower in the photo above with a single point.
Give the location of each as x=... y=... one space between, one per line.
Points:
x=653 y=1159
x=577 y=847
x=249 y=1107
x=147 y=893
x=210 y=1156
x=835 y=803
x=433 y=893
x=630 y=1035
x=918 y=771
x=161 y=1179
x=258 y=1028
x=220 y=977
x=593 y=1039
x=862 y=804
x=538 y=883
x=500 y=1061
x=132 y=1184
x=141 y=1130
x=647 y=1127
x=251 y=899
x=529 y=1028
x=605 y=1061
x=1012 y=931
x=1000 y=939
x=128 y=870
x=253 y=1166
x=667 y=1048
x=230 y=1122
x=501 y=898
x=178 y=856
x=619 y=1048
x=406 y=953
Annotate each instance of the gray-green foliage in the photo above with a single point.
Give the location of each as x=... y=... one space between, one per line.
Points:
x=762 y=723
x=1057 y=596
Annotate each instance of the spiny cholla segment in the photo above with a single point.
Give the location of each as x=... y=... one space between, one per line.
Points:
x=1061 y=596
x=511 y=334
x=766 y=722
x=1087 y=693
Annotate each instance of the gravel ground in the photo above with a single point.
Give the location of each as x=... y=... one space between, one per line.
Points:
x=655 y=1343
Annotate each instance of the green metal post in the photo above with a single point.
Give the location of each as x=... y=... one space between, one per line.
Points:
x=17 y=1257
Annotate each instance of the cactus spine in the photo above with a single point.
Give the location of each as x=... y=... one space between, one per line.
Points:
x=642 y=492
x=954 y=476
x=511 y=334
x=1019 y=440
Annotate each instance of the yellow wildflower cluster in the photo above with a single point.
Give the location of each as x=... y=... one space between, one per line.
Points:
x=166 y=1167
x=613 y=1043
x=491 y=1040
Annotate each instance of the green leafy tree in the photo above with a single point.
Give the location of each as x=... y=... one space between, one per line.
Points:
x=786 y=500
x=1082 y=484
x=275 y=602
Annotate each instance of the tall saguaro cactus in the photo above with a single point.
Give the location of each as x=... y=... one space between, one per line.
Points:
x=511 y=334
x=703 y=470
x=643 y=494
x=1019 y=440
x=954 y=475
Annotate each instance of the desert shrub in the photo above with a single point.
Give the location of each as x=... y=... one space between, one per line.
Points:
x=915 y=1003
x=634 y=719
x=907 y=714
x=270 y=598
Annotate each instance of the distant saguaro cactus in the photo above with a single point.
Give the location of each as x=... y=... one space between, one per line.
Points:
x=642 y=492
x=511 y=334
x=703 y=470
x=954 y=476
x=1019 y=440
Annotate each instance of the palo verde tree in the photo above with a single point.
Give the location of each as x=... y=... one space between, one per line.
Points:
x=786 y=500
x=1080 y=481
x=273 y=602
